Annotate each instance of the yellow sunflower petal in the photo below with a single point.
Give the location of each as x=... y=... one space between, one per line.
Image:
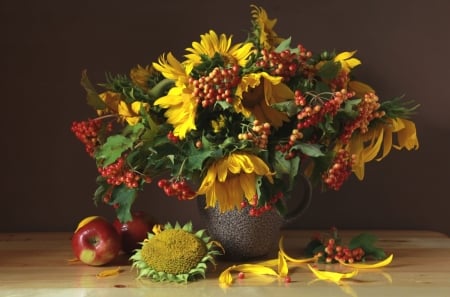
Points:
x=225 y=277
x=376 y=139
x=379 y=264
x=171 y=68
x=108 y=272
x=407 y=136
x=283 y=269
x=294 y=260
x=331 y=275
x=360 y=88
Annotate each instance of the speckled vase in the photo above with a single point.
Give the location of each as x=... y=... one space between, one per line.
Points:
x=245 y=237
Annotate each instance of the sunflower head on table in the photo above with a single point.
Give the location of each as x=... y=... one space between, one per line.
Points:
x=237 y=122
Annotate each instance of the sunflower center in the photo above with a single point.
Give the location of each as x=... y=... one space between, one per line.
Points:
x=253 y=96
x=173 y=251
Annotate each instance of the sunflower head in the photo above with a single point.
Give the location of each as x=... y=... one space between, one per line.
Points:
x=176 y=254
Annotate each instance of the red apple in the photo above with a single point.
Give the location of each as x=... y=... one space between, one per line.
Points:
x=96 y=241
x=135 y=231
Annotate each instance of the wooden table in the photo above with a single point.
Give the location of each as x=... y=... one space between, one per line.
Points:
x=36 y=264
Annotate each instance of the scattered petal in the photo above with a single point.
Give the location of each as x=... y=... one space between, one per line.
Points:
x=283 y=253
x=73 y=260
x=283 y=269
x=108 y=272
x=331 y=275
x=225 y=277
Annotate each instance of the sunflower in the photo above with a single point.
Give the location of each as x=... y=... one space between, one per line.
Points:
x=180 y=102
x=232 y=178
x=379 y=139
x=175 y=254
x=115 y=105
x=258 y=92
x=268 y=38
x=211 y=44
x=140 y=75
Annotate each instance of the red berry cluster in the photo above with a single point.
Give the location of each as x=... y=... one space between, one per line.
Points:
x=218 y=85
x=88 y=133
x=314 y=112
x=258 y=134
x=339 y=171
x=179 y=188
x=119 y=173
x=286 y=63
x=286 y=148
x=255 y=210
x=368 y=110
x=334 y=252
x=340 y=81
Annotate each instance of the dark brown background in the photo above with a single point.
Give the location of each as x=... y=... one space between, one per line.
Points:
x=47 y=179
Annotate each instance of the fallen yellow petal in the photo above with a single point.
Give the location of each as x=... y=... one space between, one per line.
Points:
x=283 y=269
x=283 y=253
x=225 y=277
x=383 y=263
x=331 y=275
x=73 y=260
x=108 y=272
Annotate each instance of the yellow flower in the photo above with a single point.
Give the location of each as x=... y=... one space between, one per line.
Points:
x=180 y=102
x=139 y=76
x=131 y=112
x=171 y=68
x=268 y=38
x=210 y=44
x=346 y=60
x=111 y=100
x=115 y=105
x=379 y=139
x=232 y=178
x=258 y=91
x=219 y=124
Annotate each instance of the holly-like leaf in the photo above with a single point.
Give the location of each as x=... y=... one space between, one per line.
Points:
x=112 y=149
x=349 y=107
x=329 y=70
x=123 y=197
x=367 y=241
x=284 y=45
x=309 y=149
x=198 y=156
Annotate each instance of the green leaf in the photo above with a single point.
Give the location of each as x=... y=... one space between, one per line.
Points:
x=92 y=97
x=123 y=197
x=312 y=150
x=112 y=149
x=198 y=156
x=367 y=243
x=329 y=70
x=284 y=45
x=289 y=107
x=349 y=107
x=313 y=247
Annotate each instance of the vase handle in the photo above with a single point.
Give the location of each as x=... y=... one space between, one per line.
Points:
x=305 y=193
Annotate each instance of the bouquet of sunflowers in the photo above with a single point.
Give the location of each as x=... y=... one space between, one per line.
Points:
x=237 y=122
